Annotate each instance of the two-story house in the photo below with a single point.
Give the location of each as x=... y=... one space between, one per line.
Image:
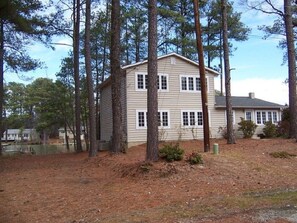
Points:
x=179 y=102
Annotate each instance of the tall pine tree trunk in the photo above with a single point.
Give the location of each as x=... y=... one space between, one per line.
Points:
x=230 y=132
x=291 y=66
x=91 y=101
x=117 y=129
x=1 y=79
x=152 y=93
x=76 y=74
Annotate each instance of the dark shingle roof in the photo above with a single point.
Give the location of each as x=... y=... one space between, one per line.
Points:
x=246 y=102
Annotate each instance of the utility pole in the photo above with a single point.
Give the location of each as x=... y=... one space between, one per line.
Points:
x=202 y=77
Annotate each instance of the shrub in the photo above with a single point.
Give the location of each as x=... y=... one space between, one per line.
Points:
x=195 y=158
x=223 y=131
x=247 y=127
x=171 y=152
x=270 y=130
x=283 y=129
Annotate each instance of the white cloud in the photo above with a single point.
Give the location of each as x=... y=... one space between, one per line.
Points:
x=273 y=90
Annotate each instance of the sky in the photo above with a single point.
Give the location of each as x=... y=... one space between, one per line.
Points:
x=256 y=64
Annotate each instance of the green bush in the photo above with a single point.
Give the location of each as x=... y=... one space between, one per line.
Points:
x=247 y=127
x=270 y=130
x=171 y=152
x=195 y=158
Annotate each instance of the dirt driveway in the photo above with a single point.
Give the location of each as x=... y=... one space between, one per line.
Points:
x=244 y=183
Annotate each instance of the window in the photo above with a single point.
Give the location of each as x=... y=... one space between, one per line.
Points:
x=233 y=117
x=192 y=119
x=142 y=81
x=141 y=119
x=263 y=116
x=248 y=115
x=190 y=83
x=163 y=118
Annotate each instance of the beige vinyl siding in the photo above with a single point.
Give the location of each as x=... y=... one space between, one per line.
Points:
x=106 y=113
x=173 y=101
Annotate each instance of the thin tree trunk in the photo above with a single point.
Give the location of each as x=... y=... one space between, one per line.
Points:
x=202 y=78
x=230 y=132
x=152 y=91
x=1 y=78
x=117 y=131
x=66 y=137
x=291 y=66
x=76 y=75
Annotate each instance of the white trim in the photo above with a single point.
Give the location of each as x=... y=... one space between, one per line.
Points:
x=252 y=118
x=170 y=55
x=144 y=74
x=196 y=118
x=234 y=119
x=187 y=76
x=145 y=119
x=266 y=116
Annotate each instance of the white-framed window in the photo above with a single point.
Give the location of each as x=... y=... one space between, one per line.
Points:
x=233 y=117
x=191 y=83
x=248 y=115
x=141 y=81
x=163 y=119
x=191 y=118
x=264 y=116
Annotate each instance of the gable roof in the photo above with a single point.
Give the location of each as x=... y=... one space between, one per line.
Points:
x=108 y=80
x=170 y=55
x=246 y=102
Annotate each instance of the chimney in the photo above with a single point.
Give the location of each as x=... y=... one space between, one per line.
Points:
x=252 y=95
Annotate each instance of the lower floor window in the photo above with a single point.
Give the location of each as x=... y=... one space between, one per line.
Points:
x=192 y=118
x=264 y=116
x=163 y=119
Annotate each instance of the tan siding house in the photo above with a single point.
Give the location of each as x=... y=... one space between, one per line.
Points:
x=179 y=102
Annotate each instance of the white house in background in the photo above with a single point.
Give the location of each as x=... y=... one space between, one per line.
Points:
x=20 y=135
x=70 y=135
x=179 y=103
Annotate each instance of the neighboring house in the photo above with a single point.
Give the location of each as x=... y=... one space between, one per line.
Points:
x=20 y=135
x=179 y=102
x=251 y=108
x=70 y=135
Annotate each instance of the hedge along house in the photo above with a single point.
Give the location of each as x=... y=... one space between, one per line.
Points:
x=179 y=102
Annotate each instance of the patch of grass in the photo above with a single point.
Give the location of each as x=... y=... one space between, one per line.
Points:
x=282 y=155
x=146 y=167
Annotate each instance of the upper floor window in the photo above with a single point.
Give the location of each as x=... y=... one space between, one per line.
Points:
x=191 y=83
x=142 y=81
